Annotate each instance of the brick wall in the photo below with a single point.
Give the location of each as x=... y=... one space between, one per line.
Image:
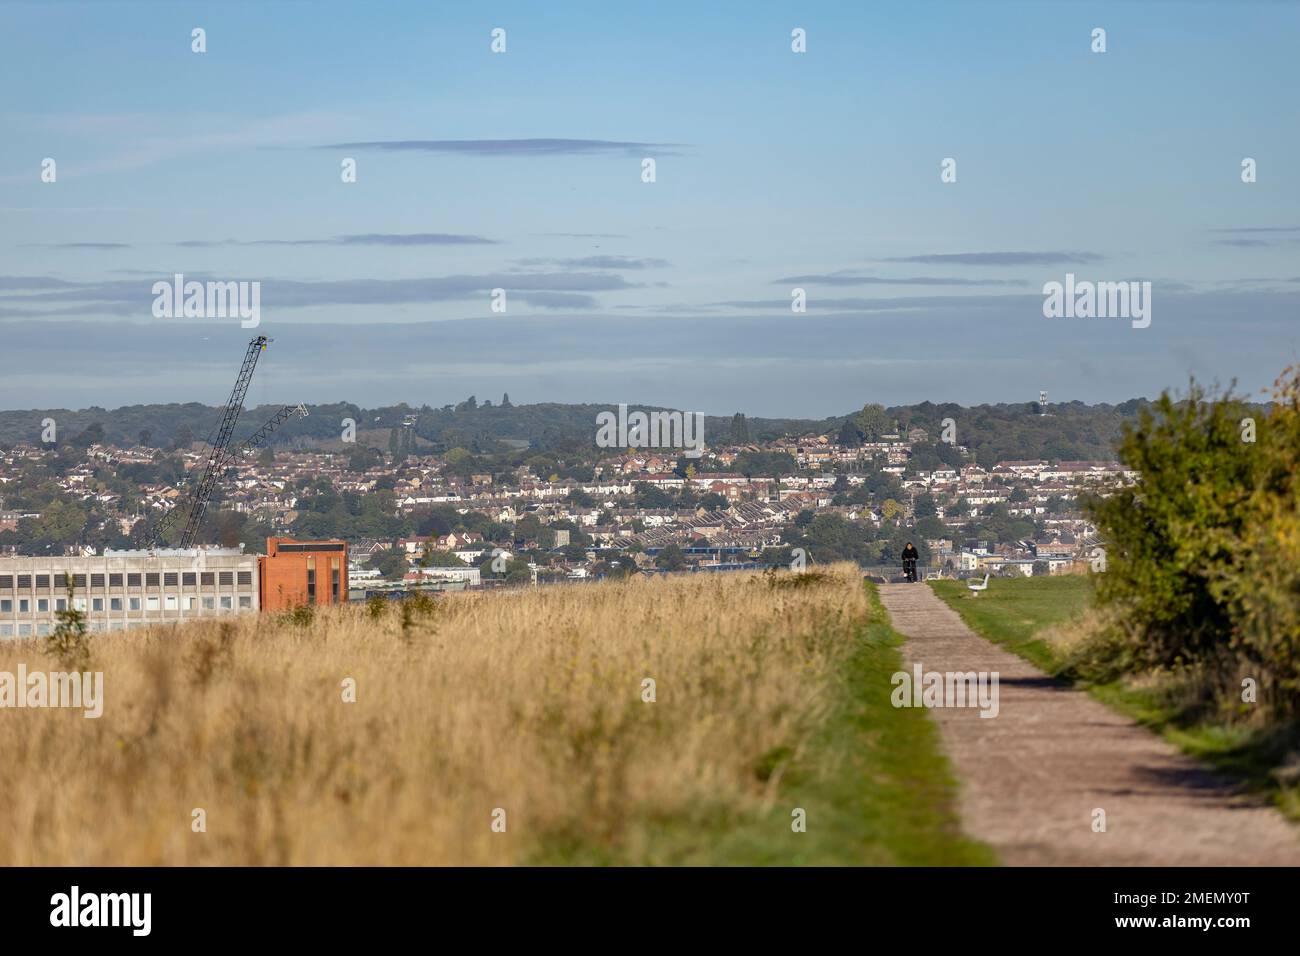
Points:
x=294 y=573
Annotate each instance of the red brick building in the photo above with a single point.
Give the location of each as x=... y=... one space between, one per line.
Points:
x=294 y=573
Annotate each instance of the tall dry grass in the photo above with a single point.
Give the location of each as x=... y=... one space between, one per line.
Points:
x=528 y=701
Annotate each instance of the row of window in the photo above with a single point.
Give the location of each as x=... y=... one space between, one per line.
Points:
x=170 y=602
x=40 y=630
x=311 y=581
x=150 y=579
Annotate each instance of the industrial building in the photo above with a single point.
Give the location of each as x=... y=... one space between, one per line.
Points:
x=294 y=573
x=121 y=589
x=162 y=585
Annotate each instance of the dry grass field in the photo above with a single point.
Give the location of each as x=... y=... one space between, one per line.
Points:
x=530 y=702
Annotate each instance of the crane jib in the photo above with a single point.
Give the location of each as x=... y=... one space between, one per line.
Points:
x=220 y=455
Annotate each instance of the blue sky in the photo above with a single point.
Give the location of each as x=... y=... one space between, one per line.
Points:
x=522 y=170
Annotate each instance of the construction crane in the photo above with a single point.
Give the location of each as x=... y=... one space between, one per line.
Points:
x=220 y=455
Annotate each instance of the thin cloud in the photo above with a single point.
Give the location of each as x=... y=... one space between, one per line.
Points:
x=179 y=137
x=14 y=283
x=507 y=147
x=1001 y=259
x=77 y=245
x=1250 y=237
x=584 y=235
x=980 y=354
x=47 y=296
x=850 y=279
x=908 y=303
x=557 y=300
x=357 y=239
x=598 y=262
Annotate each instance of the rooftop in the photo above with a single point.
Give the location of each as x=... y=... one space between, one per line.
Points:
x=173 y=552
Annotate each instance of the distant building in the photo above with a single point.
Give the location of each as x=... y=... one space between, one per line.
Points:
x=472 y=577
x=121 y=589
x=294 y=573
x=9 y=519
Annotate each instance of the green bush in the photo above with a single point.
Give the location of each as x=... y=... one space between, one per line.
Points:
x=69 y=642
x=1261 y=586
x=302 y=615
x=1202 y=556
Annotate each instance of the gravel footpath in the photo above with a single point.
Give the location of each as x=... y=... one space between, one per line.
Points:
x=1033 y=776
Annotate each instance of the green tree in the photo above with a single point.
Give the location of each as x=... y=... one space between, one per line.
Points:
x=931 y=528
x=183 y=439
x=92 y=435
x=616 y=568
x=363 y=459
x=529 y=527
x=739 y=434
x=650 y=496
x=873 y=421
x=61 y=523
x=434 y=558
x=390 y=563
x=69 y=642
x=713 y=502
x=1168 y=540
x=671 y=558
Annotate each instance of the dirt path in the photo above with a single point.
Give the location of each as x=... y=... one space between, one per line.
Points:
x=1032 y=776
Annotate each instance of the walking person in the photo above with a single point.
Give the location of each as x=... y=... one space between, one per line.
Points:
x=910 y=557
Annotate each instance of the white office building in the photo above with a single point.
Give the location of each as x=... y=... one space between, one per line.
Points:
x=121 y=589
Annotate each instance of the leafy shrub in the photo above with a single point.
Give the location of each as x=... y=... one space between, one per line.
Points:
x=415 y=606
x=211 y=656
x=797 y=581
x=1203 y=555
x=1261 y=585
x=69 y=642
x=302 y=615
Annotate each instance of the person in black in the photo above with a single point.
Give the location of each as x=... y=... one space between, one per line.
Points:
x=910 y=556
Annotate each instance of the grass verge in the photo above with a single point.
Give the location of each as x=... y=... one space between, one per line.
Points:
x=1016 y=613
x=874 y=783
x=679 y=719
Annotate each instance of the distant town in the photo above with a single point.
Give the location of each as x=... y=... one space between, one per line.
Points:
x=417 y=517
